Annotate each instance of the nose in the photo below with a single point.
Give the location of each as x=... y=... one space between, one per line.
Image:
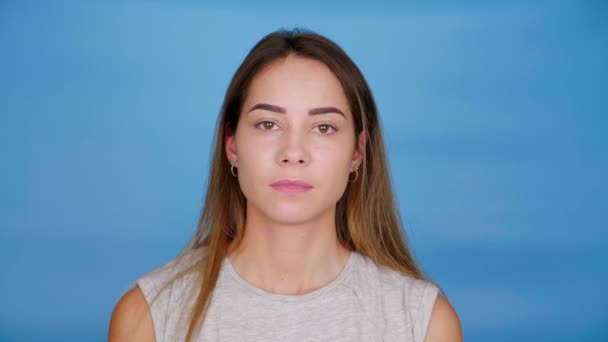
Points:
x=294 y=151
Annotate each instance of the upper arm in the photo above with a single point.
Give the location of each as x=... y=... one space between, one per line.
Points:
x=444 y=324
x=131 y=319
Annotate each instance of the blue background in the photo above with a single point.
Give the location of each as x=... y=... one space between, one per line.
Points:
x=494 y=117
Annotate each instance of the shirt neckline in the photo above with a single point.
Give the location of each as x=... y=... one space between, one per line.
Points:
x=292 y=298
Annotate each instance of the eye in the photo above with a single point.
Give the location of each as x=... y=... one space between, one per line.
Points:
x=326 y=129
x=266 y=125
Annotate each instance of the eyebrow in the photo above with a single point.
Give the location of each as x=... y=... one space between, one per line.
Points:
x=281 y=110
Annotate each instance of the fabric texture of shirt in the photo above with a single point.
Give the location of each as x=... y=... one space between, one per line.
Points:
x=366 y=302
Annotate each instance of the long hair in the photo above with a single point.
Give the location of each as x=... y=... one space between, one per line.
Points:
x=367 y=218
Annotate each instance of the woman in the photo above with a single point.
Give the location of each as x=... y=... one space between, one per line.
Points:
x=299 y=238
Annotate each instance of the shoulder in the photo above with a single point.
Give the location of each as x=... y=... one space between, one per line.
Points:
x=131 y=319
x=143 y=312
x=409 y=302
x=158 y=284
x=445 y=324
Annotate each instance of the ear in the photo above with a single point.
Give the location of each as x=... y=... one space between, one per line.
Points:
x=230 y=143
x=359 y=149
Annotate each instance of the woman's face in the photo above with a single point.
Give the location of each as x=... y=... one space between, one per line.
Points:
x=295 y=125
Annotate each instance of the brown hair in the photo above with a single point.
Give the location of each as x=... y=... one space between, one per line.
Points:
x=367 y=218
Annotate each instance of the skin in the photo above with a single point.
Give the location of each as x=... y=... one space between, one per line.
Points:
x=289 y=245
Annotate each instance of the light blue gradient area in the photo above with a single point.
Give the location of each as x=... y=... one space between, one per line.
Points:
x=494 y=117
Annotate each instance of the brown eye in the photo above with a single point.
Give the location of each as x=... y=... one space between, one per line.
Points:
x=326 y=129
x=266 y=125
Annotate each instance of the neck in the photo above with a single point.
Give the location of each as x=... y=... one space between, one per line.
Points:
x=290 y=259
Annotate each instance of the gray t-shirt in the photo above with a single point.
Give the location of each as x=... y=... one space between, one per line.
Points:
x=366 y=302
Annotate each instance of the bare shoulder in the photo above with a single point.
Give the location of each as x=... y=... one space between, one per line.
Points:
x=131 y=319
x=444 y=324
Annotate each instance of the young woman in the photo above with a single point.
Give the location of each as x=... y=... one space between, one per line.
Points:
x=299 y=238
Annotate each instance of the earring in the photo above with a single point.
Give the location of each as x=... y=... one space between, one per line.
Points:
x=356 y=174
x=232 y=163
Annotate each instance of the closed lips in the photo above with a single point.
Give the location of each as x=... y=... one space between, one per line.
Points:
x=292 y=184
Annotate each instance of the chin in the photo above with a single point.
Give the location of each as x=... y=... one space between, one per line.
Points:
x=288 y=213
x=288 y=221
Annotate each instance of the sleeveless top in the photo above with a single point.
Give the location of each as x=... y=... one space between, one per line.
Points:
x=366 y=302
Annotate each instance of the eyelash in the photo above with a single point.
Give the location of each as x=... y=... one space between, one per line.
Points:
x=322 y=124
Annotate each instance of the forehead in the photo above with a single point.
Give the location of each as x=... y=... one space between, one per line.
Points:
x=297 y=83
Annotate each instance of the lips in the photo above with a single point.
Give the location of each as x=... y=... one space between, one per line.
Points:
x=291 y=186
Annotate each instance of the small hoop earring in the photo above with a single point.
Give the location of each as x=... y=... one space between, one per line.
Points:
x=356 y=175
x=232 y=170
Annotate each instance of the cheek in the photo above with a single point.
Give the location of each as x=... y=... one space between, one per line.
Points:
x=255 y=161
x=332 y=167
x=255 y=153
x=334 y=156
